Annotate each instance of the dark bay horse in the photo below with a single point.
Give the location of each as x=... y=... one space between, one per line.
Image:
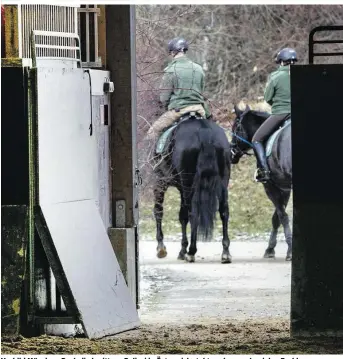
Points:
x=197 y=163
x=279 y=188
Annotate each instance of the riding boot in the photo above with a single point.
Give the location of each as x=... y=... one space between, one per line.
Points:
x=262 y=172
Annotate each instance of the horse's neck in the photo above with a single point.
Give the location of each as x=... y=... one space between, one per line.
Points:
x=254 y=123
x=252 y=130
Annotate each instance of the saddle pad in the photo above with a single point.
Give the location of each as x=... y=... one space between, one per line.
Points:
x=163 y=139
x=274 y=136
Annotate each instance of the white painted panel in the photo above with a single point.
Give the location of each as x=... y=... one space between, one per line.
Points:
x=102 y=183
x=74 y=195
x=67 y=156
x=91 y=267
x=101 y=134
x=131 y=262
x=54 y=62
x=98 y=79
x=65 y=330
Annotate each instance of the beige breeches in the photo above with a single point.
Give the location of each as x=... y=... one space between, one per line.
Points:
x=171 y=116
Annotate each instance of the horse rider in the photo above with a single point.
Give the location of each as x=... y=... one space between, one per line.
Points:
x=181 y=89
x=277 y=94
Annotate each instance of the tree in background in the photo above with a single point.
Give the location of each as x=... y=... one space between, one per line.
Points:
x=235 y=44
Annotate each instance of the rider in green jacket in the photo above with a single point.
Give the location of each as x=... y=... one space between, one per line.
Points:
x=278 y=95
x=181 y=89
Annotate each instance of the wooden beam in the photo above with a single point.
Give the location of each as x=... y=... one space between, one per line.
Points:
x=121 y=62
x=120 y=59
x=11 y=31
x=102 y=34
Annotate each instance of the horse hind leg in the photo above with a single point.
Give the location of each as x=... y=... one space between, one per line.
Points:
x=184 y=219
x=288 y=234
x=224 y=216
x=280 y=199
x=190 y=256
x=286 y=227
x=159 y=193
x=270 y=251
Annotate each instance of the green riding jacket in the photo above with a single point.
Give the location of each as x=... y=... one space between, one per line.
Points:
x=183 y=85
x=278 y=91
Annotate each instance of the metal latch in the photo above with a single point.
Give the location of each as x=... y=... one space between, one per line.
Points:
x=108 y=86
x=104 y=115
x=120 y=213
x=139 y=180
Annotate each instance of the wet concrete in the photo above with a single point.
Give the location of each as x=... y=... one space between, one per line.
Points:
x=177 y=292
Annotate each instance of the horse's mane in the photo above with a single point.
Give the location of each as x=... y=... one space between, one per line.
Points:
x=260 y=109
x=262 y=114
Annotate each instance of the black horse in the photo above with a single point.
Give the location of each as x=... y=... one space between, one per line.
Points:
x=197 y=163
x=279 y=188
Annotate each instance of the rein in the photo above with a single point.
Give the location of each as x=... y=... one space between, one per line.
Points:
x=241 y=139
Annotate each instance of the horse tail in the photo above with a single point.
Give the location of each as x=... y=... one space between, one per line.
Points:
x=207 y=186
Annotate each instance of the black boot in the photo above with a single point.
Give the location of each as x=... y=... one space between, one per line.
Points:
x=262 y=172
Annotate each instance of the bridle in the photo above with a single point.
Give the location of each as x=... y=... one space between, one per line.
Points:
x=239 y=132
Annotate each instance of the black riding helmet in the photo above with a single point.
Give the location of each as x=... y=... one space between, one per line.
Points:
x=178 y=44
x=287 y=55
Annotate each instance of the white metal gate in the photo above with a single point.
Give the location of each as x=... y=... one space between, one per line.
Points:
x=53 y=18
x=73 y=189
x=60 y=19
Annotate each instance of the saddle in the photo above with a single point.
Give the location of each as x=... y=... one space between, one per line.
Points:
x=166 y=136
x=271 y=140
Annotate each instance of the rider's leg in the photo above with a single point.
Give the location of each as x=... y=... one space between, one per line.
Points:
x=161 y=123
x=262 y=173
x=171 y=116
x=268 y=126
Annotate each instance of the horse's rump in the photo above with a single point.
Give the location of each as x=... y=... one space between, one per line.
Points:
x=200 y=149
x=207 y=185
x=198 y=158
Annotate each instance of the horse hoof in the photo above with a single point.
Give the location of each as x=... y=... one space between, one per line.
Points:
x=162 y=252
x=269 y=254
x=189 y=258
x=181 y=257
x=288 y=258
x=226 y=258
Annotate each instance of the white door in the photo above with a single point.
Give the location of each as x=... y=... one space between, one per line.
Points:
x=67 y=160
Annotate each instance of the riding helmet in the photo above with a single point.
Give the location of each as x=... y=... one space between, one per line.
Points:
x=178 y=44
x=286 y=55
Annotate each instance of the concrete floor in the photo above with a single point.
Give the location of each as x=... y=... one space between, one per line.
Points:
x=177 y=292
x=202 y=308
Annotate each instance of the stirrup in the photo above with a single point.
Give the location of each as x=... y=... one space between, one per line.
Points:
x=261 y=176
